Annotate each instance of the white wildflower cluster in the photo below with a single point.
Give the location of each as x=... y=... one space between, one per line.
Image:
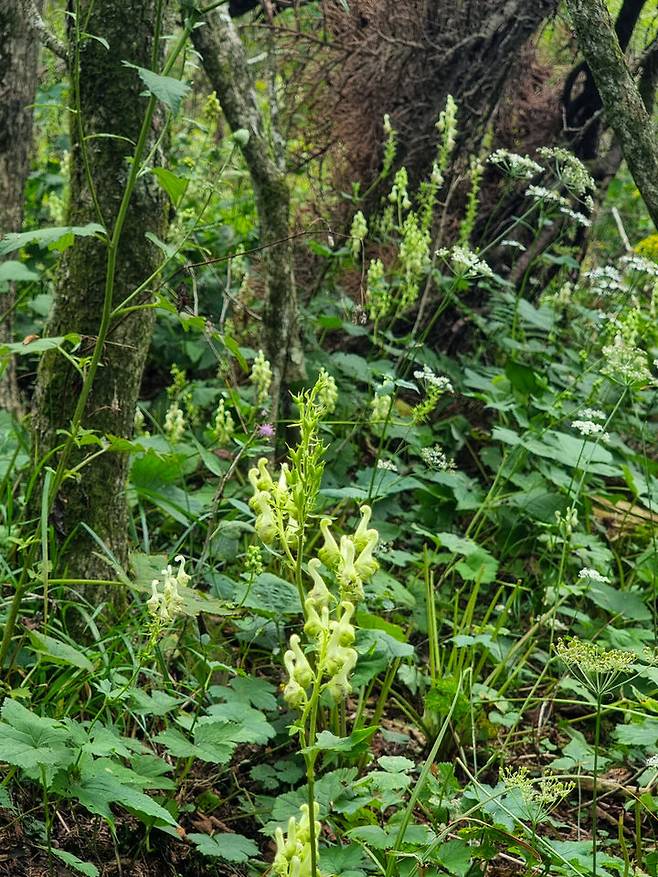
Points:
x=261 y=377
x=414 y=258
x=174 y=425
x=625 y=363
x=570 y=171
x=592 y=414
x=436 y=458
x=380 y=406
x=588 y=574
x=293 y=850
x=604 y=280
x=516 y=245
x=518 y=167
x=634 y=263
x=578 y=217
x=549 y=196
x=590 y=428
x=166 y=604
x=379 y=293
x=351 y=559
x=327 y=391
x=435 y=387
x=223 y=426
x=465 y=263
x=358 y=232
x=440 y=382
x=387 y=465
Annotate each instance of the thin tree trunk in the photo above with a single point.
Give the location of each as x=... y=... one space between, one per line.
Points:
x=19 y=54
x=625 y=110
x=225 y=62
x=111 y=102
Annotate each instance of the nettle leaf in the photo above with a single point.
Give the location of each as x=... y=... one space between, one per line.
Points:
x=98 y=788
x=74 y=862
x=229 y=847
x=167 y=89
x=57 y=652
x=29 y=741
x=48 y=237
x=252 y=726
x=344 y=861
x=214 y=742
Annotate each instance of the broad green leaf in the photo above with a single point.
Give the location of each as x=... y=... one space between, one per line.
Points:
x=357 y=741
x=373 y=836
x=74 y=862
x=47 y=237
x=97 y=790
x=16 y=272
x=167 y=89
x=254 y=727
x=39 y=345
x=395 y=763
x=270 y=596
x=625 y=603
x=173 y=185
x=29 y=741
x=229 y=847
x=57 y=652
x=455 y=856
x=478 y=564
x=644 y=733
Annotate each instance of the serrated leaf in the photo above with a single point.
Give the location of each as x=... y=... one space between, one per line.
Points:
x=74 y=862
x=96 y=791
x=165 y=88
x=57 y=652
x=373 y=836
x=356 y=742
x=30 y=741
x=47 y=236
x=229 y=847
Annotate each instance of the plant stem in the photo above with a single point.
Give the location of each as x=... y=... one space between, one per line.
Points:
x=595 y=775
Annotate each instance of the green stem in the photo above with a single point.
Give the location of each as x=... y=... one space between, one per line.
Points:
x=595 y=775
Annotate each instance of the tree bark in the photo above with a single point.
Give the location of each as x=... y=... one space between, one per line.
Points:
x=625 y=110
x=111 y=102
x=19 y=53
x=225 y=63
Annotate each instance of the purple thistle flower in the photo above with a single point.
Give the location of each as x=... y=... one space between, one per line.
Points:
x=266 y=430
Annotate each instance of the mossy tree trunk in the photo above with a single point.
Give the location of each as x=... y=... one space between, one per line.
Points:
x=19 y=54
x=225 y=62
x=108 y=117
x=621 y=98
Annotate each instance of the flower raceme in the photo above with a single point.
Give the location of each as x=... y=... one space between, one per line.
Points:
x=352 y=559
x=293 y=849
x=167 y=604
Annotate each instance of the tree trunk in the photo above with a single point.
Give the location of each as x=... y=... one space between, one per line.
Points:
x=19 y=53
x=111 y=102
x=625 y=110
x=225 y=63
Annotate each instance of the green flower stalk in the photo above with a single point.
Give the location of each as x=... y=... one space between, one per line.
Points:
x=261 y=377
x=601 y=671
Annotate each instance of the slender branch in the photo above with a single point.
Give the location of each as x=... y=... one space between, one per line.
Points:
x=38 y=25
x=620 y=95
